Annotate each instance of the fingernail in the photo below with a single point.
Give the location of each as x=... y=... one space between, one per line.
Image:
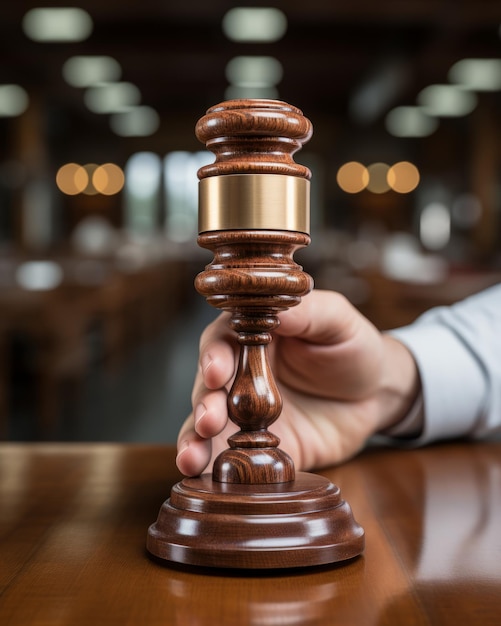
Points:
x=183 y=445
x=206 y=362
x=200 y=411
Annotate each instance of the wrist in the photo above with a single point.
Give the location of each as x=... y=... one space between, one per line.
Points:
x=400 y=385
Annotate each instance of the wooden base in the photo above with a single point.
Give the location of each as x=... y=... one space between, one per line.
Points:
x=300 y=523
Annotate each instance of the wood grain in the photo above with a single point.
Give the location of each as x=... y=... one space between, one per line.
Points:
x=253 y=276
x=254 y=136
x=73 y=519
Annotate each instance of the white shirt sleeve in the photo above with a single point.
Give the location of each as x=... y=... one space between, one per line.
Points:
x=458 y=353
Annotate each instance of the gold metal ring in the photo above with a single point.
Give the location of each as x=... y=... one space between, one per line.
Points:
x=254 y=201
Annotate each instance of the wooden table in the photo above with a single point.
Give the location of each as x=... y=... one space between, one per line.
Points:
x=73 y=521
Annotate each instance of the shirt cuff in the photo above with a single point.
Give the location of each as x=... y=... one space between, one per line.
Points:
x=453 y=385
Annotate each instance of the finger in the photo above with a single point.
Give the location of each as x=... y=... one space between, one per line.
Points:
x=208 y=419
x=217 y=355
x=210 y=389
x=210 y=414
x=195 y=449
x=322 y=317
x=194 y=452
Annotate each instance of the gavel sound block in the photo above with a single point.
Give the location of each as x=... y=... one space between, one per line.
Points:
x=254 y=511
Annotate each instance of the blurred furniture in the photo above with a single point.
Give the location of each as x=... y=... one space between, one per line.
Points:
x=54 y=326
x=73 y=525
x=392 y=303
x=121 y=306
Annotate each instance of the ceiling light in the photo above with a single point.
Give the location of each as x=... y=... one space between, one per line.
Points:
x=137 y=122
x=477 y=74
x=447 y=100
x=254 y=24
x=84 y=71
x=112 y=97
x=254 y=71
x=57 y=24
x=410 y=121
x=234 y=92
x=13 y=100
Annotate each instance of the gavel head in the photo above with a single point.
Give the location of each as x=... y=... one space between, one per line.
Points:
x=254 y=204
x=254 y=137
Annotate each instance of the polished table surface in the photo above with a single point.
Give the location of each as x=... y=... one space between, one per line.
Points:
x=73 y=522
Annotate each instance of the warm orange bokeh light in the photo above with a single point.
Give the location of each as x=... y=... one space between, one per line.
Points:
x=403 y=177
x=72 y=179
x=352 y=177
x=108 y=179
x=90 y=179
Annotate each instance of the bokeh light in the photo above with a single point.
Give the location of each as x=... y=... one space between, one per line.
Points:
x=378 y=181
x=112 y=97
x=435 y=226
x=90 y=179
x=139 y=121
x=446 y=100
x=410 y=121
x=39 y=275
x=254 y=24
x=84 y=71
x=403 y=177
x=352 y=177
x=14 y=100
x=108 y=179
x=57 y=24
x=72 y=179
x=477 y=74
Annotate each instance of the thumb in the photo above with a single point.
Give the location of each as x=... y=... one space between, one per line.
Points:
x=322 y=317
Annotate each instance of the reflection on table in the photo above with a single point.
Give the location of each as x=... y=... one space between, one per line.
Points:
x=73 y=524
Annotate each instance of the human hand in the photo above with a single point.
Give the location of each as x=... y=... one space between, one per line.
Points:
x=341 y=380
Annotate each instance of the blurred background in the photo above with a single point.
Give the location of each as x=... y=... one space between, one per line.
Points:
x=99 y=320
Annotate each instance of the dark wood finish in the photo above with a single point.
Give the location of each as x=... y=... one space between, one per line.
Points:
x=72 y=520
x=217 y=524
x=254 y=512
x=254 y=136
x=254 y=276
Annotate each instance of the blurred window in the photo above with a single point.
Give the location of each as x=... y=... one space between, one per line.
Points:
x=143 y=179
x=181 y=192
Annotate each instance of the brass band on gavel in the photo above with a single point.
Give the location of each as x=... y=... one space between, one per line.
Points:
x=254 y=201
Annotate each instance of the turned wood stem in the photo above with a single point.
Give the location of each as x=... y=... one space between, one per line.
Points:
x=254 y=287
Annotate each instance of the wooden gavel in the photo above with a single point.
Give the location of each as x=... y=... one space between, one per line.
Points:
x=254 y=511
x=253 y=215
